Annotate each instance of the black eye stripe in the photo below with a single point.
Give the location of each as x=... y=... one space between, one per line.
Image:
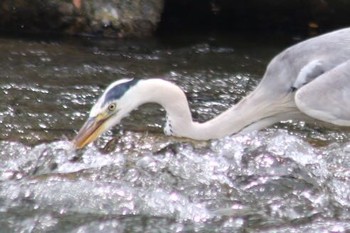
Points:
x=118 y=91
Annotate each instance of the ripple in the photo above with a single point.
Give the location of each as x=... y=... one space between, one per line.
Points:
x=290 y=178
x=191 y=182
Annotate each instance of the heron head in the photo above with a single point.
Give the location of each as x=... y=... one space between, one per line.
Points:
x=108 y=111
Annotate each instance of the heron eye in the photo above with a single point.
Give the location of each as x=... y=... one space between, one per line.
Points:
x=112 y=107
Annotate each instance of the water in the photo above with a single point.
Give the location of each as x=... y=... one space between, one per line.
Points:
x=291 y=177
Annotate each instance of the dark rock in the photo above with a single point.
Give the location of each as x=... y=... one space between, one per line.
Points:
x=126 y=18
x=114 y=18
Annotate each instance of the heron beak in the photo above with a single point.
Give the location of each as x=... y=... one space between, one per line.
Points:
x=92 y=128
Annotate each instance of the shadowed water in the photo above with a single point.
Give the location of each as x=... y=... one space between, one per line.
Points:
x=291 y=177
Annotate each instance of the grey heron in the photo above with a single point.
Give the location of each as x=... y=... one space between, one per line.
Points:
x=308 y=80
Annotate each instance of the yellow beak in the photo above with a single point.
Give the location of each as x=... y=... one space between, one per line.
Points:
x=92 y=128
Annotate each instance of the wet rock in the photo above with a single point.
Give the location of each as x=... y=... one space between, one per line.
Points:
x=126 y=18
x=113 y=18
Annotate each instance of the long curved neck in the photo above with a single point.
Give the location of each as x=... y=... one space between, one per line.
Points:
x=249 y=114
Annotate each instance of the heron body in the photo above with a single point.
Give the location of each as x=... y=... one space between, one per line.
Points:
x=306 y=81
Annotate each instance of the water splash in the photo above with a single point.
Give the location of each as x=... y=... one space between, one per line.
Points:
x=290 y=178
x=247 y=181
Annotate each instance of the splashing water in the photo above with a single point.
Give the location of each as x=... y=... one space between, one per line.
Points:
x=288 y=178
x=255 y=181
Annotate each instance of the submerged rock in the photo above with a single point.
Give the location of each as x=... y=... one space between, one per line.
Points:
x=114 y=18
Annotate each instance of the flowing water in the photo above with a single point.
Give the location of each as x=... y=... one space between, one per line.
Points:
x=291 y=177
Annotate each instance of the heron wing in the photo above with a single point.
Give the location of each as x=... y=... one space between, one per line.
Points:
x=327 y=98
x=309 y=72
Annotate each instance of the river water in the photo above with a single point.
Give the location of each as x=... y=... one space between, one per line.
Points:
x=291 y=177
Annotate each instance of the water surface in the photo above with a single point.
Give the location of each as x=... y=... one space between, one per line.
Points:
x=291 y=177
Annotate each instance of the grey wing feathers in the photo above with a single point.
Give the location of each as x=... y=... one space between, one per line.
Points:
x=309 y=72
x=327 y=98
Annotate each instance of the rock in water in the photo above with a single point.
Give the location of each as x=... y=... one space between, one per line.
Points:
x=113 y=18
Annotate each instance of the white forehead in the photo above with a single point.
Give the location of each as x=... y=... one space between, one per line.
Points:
x=96 y=109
